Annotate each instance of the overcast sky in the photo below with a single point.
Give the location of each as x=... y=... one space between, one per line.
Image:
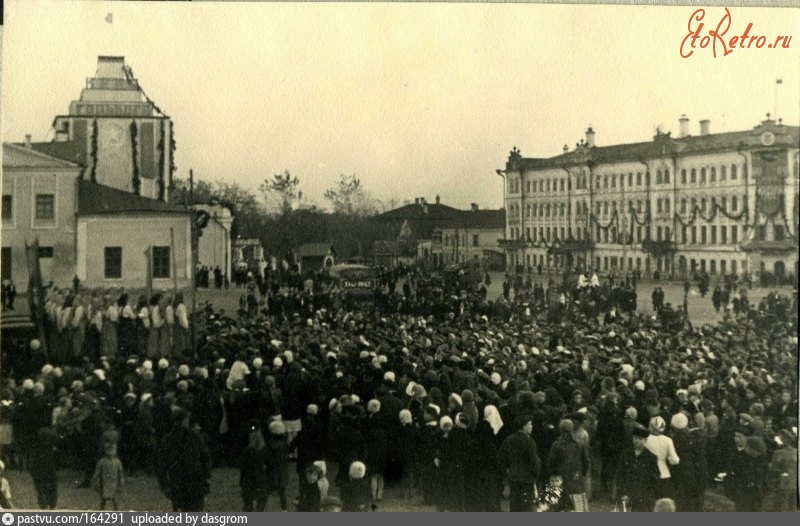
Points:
x=417 y=100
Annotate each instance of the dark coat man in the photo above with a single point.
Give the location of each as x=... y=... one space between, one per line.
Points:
x=638 y=473
x=185 y=467
x=519 y=456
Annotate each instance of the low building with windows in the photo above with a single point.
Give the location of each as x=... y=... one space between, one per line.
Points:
x=717 y=203
x=473 y=237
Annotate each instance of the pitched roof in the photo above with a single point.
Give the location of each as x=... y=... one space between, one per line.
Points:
x=478 y=219
x=18 y=156
x=314 y=250
x=94 y=199
x=71 y=151
x=662 y=145
x=426 y=212
x=386 y=248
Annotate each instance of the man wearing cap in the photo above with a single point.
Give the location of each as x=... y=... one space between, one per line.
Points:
x=638 y=473
x=520 y=458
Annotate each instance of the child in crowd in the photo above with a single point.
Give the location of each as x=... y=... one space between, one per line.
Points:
x=109 y=477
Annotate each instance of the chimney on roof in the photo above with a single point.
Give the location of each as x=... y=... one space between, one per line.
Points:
x=590 y=137
x=28 y=140
x=566 y=148
x=705 y=127
x=437 y=199
x=416 y=200
x=684 y=125
x=474 y=206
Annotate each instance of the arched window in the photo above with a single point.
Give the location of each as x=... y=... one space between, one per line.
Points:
x=734 y=201
x=630 y=178
x=659 y=206
x=547 y=211
x=630 y=205
x=683 y=176
x=733 y=172
x=694 y=204
x=597 y=182
x=666 y=205
x=713 y=203
x=666 y=176
x=563 y=208
x=724 y=202
x=638 y=178
x=693 y=176
x=712 y=175
x=658 y=177
x=639 y=206
x=702 y=175
x=683 y=205
x=605 y=181
x=562 y=185
x=613 y=180
x=703 y=204
x=548 y=185
x=723 y=172
x=605 y=209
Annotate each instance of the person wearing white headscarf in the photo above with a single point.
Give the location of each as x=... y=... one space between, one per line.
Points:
x=664 y=450
x=492 y=416
x=238 y=371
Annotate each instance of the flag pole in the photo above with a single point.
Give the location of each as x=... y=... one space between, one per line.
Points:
x=193 y=283
x=172 y=253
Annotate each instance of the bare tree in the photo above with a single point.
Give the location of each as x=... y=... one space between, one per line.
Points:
x=284 y=190
x=349 y=198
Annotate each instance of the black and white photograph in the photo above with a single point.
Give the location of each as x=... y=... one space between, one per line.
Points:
x=399 y=257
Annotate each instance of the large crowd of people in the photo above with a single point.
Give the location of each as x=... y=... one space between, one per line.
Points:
x=550 y=400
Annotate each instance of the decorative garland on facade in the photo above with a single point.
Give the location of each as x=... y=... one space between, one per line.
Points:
x=161 y=186
x=172 y=146
x=614 y=219
x=635 y=218
x=93 y=173
x=137 y=182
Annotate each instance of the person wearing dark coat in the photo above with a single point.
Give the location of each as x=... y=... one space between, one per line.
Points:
x=309 y=442
x=277 y=462
x=253 y=470
x=347 y=445
x=520 y=458
x=638 y=473
x=688 y=476
x=408 y=443
x=354 y=491
x=483 y=475
x=44 y=469
x=449 y=461
x=185 y=466
x=744 y=483
x=569 y=461
x=310 y=499
x=377 y=439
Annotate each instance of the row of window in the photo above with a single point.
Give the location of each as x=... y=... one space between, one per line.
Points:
x=689 y=235
x=44 y=207
x=601 y=208
x=448 y=240
x=691 y=176
x=113 y=262
x=618 y=263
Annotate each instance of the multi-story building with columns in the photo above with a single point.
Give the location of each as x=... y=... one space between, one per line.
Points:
x=717 y=203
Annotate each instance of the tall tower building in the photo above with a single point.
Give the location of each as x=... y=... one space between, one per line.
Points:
x=117 y=133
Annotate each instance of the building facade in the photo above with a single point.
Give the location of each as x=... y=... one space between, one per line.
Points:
x=95 y=196
x=214 y=246
x=472 y=239
x=39 y=201
x=717 y=203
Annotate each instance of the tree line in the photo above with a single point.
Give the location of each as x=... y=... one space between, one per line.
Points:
x=283 y=218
